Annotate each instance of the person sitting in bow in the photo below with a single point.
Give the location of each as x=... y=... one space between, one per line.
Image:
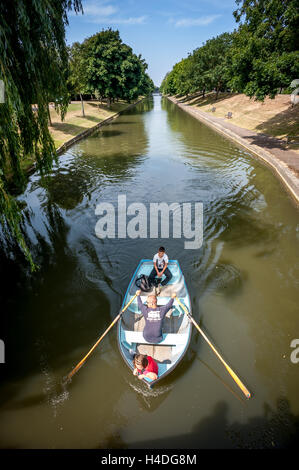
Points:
x=145 y=366
x=160 y=267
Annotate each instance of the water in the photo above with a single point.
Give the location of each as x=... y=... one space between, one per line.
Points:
x=243 y=284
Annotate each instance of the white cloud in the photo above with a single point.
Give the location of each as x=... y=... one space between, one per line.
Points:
x=202 y=21
x=105 y=13
x=100 y=11
x=115 y=20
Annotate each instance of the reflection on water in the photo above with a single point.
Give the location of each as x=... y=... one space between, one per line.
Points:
x=243 y=283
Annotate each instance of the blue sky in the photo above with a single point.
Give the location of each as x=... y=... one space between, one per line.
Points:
x=162 y=31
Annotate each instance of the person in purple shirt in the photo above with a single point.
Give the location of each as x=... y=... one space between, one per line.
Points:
x=153 y=316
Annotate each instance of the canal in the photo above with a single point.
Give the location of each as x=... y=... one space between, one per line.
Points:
x=243 y=283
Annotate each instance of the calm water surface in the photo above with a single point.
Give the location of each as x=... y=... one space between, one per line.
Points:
x=243 y=283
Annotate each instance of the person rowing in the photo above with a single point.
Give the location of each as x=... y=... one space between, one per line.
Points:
x=153 y=315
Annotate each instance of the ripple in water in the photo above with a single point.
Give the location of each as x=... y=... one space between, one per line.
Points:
x=226 y=278
x=148 y=394
x=55 y=392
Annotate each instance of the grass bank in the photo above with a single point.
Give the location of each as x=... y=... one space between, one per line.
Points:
x=276 y=118
x=74 y=123
x=271 y=150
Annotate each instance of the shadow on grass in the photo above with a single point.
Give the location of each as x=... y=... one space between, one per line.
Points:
x=115 y=107
x=66 y=128
x=75 y=129
x=210 y=98
x=94 y=118
x=284 y=123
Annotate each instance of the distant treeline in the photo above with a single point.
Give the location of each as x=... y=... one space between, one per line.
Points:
x=259 y=59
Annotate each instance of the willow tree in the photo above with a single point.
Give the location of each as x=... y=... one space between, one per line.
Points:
x=33 y=68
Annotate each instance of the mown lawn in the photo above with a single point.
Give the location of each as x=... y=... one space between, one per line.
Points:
x=74 y=122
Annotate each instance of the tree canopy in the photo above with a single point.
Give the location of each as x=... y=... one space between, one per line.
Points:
x=264 y=56
x=258 y=59
x=112 y=69
x=205 y=69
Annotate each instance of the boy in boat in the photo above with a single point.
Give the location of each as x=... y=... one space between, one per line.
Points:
x=145 y=366
x=153 y=316
x=160 y=267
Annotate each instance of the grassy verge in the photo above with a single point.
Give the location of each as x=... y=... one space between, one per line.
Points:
x=74 y=123
x=276 y=117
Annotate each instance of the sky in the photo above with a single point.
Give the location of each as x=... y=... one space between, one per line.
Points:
x=162 y=31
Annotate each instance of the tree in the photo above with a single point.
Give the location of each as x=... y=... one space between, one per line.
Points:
x=179 y=80
x=77 y=77
x=200 y=67
x=264 y=55
x=33 y=67
x=204 y=69
x=168 y=85
x=215 y=51
x=112 y=69
x=135 y=81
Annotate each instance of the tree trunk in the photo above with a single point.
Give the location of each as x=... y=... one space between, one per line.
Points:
x=109 y=102
x=203 y=92
x=49 y=116
x=82 y=104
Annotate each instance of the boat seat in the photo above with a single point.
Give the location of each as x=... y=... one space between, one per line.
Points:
x=169 y=339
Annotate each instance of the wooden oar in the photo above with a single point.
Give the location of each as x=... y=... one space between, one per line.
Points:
x=230 y=371
x=70 y=375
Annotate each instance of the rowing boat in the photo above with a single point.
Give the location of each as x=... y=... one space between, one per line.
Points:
x=176 y=329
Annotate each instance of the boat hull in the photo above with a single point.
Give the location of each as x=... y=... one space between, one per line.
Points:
x=176 y=329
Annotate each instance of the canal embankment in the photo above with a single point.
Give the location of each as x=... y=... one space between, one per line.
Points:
x=109 y=115
x=268 y=149
x=76 y=127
